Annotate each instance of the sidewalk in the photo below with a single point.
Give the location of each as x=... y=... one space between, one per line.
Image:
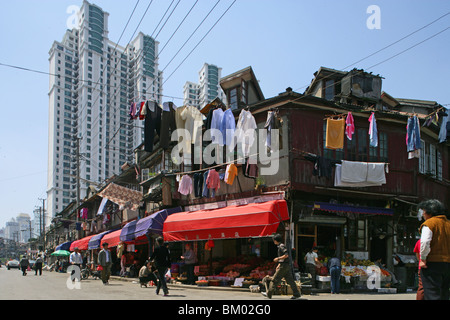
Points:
x=305 y=291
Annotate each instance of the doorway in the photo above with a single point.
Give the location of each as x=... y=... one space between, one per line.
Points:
x=327 y=237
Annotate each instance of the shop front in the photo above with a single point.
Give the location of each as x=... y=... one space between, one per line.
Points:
x=137 y=237
x=233 y=244
x=358 y=235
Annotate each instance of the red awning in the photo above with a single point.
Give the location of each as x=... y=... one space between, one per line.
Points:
x=81 y=244
x=247 y=221
x=113 y=239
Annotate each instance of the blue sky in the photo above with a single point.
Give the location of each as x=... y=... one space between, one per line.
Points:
x=285 y=41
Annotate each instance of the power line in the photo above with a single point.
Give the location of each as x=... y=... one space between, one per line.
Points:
x=413 y=46
x=167 y=19
x=201 y=40
x=192 y=34
x=361 y=71
x=388 y=46
x=399 y=40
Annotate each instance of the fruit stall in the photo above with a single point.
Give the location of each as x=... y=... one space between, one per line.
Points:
x=250 y=270
x=356 y=274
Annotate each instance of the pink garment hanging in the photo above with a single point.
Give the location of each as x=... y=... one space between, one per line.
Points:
x=83 y=213
x=213 y=180
x=350 y=128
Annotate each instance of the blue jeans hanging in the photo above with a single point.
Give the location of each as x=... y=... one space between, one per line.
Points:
x=413 y=134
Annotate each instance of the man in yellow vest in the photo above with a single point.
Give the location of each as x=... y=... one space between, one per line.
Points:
x=435 y=250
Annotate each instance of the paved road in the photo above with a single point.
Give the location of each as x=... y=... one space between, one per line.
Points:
x=53 y=286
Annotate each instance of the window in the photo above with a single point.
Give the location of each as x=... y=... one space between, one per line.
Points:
x=362 y=144
x=233 y=99
x=329 y=89
x=356 y=235
x=430 y=161
x=244 y=92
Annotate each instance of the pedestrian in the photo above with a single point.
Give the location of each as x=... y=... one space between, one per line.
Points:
x=104 y=260
x=283 y=270
x=146 y=274
x=123 y=265
x=38 y=265
x=190 y=260
x=24 y=264
x=435 y=251
x=75 y=258
x=161 y=257
x=420 y=293
x=334 y=266
x=312 y=262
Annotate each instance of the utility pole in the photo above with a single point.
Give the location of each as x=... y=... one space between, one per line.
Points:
x=43 y=218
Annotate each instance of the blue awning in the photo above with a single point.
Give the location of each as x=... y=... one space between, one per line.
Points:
x=64 y=246
x=342 y=208
x=128 y=231
x=151 y=224
x=94 y=242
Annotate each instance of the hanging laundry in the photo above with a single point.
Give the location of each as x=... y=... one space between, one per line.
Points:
x=168 y=125
x=228 y=127
x=213 y=181
x=143 y=110
x=373 y=131
x=250 y=169
x=350 y=126
x=273 y=121
x=413 y=134
x=132 y=112
x=230 y=173
x=205 y=193
x=152 y=124
x=207 y=134
x=360 y=174
x=185 y=187
x=335 y=134
x=193 y=122
x=102 y=206
x=443 y=132
x=198 y=184
x=435 y=120
x=216 y=123
x=246 y=131
x=139 y=107
x=83 y=213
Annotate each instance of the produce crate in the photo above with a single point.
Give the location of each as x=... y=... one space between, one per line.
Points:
x=322 y=285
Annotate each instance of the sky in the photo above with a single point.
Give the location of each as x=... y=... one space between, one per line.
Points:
x=285 y=42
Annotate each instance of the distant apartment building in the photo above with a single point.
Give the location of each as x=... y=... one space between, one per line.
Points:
x=12 y=230
x=207 y=89
x=96 y=81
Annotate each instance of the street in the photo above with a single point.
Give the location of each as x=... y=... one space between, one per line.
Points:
x=53 y=286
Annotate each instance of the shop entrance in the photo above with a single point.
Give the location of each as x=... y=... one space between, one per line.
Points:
x=328 y=238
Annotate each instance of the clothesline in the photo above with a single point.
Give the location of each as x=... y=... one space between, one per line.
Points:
x=209 y=168
x=434 y=112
